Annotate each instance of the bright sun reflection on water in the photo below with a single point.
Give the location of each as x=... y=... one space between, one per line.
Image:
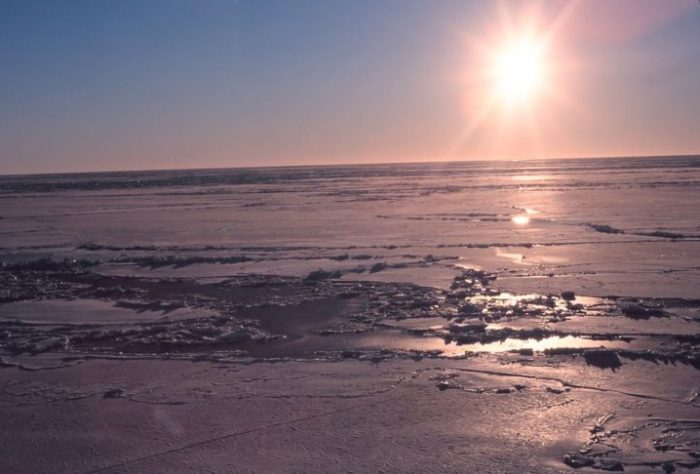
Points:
x=521 y=219
x=539 y=345
x=401 y=341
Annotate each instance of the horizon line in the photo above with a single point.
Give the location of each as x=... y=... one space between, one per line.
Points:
x=291 y=166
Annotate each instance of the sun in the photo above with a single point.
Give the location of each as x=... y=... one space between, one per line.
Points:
x=519 y=69
x=516 y=79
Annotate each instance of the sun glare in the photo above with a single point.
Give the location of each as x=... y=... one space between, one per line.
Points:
x=519 y=70
x=520 y=219
x=513 y=77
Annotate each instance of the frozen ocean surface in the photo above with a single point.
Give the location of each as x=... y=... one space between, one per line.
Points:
x=172 y=316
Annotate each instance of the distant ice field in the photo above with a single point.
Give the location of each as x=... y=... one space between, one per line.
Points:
x=625 y=227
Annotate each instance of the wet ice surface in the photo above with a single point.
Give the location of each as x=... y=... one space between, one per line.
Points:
x=555 y=288
x=57 y=312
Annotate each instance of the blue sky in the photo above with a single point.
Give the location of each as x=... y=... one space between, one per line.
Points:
x=105 y=85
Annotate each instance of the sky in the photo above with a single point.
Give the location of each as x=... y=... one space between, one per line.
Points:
x=117 y=84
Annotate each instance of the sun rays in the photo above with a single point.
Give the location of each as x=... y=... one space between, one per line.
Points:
x=512 y=79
